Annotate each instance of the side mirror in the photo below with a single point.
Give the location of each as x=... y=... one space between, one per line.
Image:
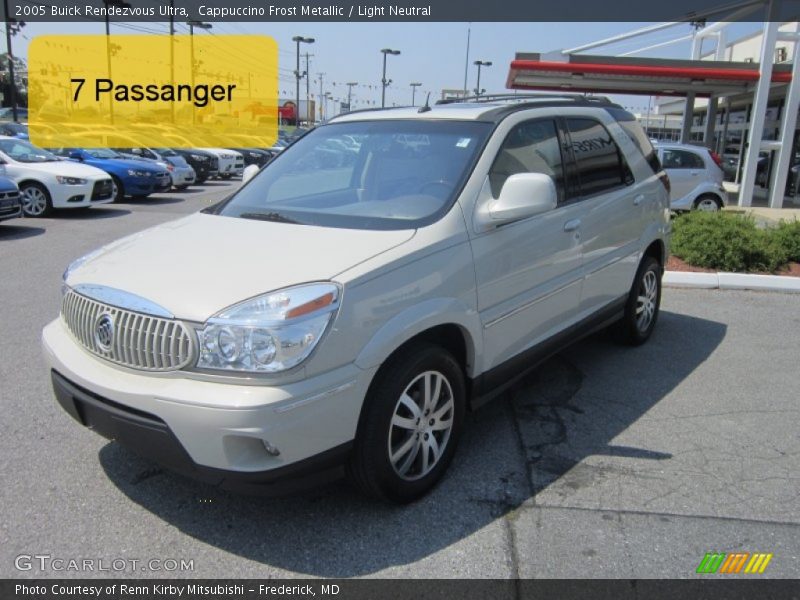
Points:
x=523 y=195
x=75 y=154
x=250 y=171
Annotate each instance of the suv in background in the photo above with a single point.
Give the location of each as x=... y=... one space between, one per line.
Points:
x=347 y=316
x=695 y=176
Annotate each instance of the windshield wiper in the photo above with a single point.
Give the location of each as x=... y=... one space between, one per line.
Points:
x=270 y=216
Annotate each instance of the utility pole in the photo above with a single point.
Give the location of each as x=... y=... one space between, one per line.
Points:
x=299 y=39
x=466 y=59
x=172 y=53
x=308 y=90
x=321 y=99
x=120 y=4
x=350 y=94
x=12 y=28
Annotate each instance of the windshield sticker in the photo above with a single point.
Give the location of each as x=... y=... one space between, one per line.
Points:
x=463 y=142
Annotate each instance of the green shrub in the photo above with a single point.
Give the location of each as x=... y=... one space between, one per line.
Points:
x=788 y=234
x=730 y=242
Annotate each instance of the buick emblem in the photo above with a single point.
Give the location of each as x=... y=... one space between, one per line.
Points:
x=104 y=332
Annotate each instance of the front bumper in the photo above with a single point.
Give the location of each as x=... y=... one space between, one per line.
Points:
x=10 y=207
x=215 y=432
x=77 y=196
x=143 y=186
x=182 y=176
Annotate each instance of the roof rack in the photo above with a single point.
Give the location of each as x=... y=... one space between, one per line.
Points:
x=523 y=97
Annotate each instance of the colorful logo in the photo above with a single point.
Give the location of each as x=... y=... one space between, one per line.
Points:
x=734 y=562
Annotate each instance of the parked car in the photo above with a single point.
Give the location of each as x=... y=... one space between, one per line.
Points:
x=231 y=163
x=10 y=202
x=6 y=114
x=205 y=164
x=18 y=130
x=348 y=318
x=46 y=182
x=255 y=156
x=180 y=172
x=130 y=177
x=695 y=175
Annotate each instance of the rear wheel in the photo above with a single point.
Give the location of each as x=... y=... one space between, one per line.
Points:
x=708 y=203
x=644 y=302
x=36 y=200
x=411 y=422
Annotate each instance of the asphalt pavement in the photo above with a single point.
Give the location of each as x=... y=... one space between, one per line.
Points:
x=605 y=462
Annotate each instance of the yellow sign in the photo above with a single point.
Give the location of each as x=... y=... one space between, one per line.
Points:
x=122 y=91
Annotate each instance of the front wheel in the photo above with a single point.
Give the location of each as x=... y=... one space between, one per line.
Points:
x=644 y=302
x=36 y=200
x=410 y=425
x=117 y=189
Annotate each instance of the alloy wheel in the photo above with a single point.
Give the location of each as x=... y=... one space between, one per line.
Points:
x=646 y=301
x=34 y=201
x=421 y=425
x=708 y=205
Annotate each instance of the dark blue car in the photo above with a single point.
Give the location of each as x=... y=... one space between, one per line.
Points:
x=10 y=202
x=131 y=177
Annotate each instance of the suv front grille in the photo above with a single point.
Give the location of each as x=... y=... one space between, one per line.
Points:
x=136 y=340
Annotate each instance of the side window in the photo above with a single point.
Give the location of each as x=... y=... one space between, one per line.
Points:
x=531 y=147
x=601 y=166
x=681 y=159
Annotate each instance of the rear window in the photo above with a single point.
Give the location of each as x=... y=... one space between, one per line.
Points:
x=639 y=138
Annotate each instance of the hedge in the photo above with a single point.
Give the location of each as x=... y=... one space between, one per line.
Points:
x=727 y=241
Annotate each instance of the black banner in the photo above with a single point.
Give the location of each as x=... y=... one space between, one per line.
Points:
x=713 y=588
x=399 y=10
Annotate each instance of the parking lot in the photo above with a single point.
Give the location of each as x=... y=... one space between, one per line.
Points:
x=605 y=462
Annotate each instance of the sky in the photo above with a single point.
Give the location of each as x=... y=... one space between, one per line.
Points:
x=431 y=53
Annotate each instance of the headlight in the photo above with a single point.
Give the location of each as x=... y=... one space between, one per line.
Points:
x=137 y=173
x=269 y=333
x=254 y=154
x=70 y=180
x=199 y=157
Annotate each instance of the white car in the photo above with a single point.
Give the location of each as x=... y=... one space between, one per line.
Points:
x=47 y=182
x=346 y=318
x=230 y=162
x=695 y=176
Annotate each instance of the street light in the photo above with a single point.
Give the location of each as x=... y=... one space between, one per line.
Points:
x=479 y=64
x=414 y=87
x=118 y=4
x=299 y=39
x=200 y=25
x=13 y=27
x=384 y=81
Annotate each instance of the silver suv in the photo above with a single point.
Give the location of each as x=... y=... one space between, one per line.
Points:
x=347 y=306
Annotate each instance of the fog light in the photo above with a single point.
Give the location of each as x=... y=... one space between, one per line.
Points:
x=271 y=450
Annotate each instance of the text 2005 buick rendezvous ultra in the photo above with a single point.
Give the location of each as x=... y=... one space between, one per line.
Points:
x=383 y=275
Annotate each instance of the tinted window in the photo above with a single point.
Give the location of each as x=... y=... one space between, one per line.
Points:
x=531 y=147
x=599 y=160
x=681 y=159
x=638 y=136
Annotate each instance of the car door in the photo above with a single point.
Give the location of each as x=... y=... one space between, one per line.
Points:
x=611 y=217
x=528 y=272
x=685 y=171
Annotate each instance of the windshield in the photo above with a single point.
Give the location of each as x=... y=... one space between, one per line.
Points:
x=400 y=175
x=166 y=152
x=102 y=153
x=25 y=152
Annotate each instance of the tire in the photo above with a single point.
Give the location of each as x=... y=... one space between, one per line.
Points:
x=36 y=201
x=388 y=424
x=635 y=328
x=201 y=180
x=118 y=190
x=708 y=203
x=226 y=176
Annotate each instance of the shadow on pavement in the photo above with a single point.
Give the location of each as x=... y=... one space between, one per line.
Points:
x=90 y=212
x=511 y=450
x=18 y=232
x=150 y=200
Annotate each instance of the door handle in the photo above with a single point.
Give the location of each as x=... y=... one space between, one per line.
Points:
x=572 y=224
x=638 y=200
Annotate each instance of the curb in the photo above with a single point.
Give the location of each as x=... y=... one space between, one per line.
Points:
x=731 y=281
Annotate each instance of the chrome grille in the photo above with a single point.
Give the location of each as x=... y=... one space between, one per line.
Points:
x=139 y=341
